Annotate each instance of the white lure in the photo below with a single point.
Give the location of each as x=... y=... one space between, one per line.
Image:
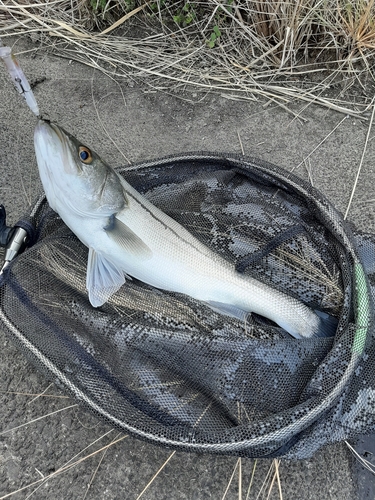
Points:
x=127 y=235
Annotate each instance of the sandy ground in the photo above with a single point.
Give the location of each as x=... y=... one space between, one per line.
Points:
x=125 y=122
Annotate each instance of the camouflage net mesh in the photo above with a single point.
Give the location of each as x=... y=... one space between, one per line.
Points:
x=170 y=370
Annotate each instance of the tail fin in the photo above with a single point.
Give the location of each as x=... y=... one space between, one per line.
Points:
x=327 y=325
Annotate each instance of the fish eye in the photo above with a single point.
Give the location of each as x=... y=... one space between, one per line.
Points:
x=85 y=155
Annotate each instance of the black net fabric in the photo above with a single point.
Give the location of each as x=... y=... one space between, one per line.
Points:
x=171 y=370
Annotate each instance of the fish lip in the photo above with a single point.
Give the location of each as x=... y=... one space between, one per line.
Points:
x=52 y=132
x=45 y=127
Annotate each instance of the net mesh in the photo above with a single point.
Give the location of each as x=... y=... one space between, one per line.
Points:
x=171 y=370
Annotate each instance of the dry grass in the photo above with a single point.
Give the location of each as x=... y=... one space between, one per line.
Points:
x=309 y=50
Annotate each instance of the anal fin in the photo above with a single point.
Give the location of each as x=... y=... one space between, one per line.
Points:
x=228 y=310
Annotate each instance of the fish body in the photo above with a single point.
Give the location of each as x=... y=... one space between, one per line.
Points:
x=128 y=236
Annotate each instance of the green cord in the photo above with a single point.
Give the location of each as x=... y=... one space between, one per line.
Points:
x=363 y=309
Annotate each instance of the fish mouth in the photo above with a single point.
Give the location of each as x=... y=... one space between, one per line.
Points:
x=48 y=131
x=54 y=142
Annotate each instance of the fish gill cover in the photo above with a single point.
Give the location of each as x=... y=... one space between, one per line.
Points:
x=168 y=368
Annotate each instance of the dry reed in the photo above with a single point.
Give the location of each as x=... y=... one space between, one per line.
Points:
x=304 y=50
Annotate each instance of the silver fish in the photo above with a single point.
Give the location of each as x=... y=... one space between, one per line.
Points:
x=128 y=236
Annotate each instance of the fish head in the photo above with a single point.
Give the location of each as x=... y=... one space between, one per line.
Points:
x=72 y=173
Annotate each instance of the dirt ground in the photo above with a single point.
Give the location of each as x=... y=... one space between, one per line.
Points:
x=125 y=122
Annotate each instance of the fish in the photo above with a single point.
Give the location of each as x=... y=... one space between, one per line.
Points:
x=128 y=237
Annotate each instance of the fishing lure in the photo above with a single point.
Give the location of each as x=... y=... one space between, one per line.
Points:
x=18 y=78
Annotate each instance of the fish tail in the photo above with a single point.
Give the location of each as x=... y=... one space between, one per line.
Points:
x=327 y=325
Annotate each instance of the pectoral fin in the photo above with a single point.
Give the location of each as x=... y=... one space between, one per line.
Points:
x=127 y=240
x=103 y=278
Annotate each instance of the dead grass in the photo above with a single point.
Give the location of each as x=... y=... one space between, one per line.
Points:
x=284 y=51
